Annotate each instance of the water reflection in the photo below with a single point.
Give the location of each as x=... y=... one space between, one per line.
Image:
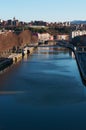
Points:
x=43 y=92
x=71 y=53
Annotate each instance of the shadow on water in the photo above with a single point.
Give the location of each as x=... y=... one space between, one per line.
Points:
x=5 y=62
x=79 y=69
x=82 y=79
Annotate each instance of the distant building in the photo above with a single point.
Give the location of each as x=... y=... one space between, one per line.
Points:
x=67 y=24
x=63 y=37
x=51 y=38
x=15 y=23
x=78 y=33
x=9 y=22
x=43 y=36
x=4 y=23
x=38 y=23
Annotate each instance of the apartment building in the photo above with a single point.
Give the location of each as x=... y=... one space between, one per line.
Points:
x=78 y=33
x=43 y=36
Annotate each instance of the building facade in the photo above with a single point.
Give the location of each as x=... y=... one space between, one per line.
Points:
x=63 y=37
x=78 y=33
x=43 y=37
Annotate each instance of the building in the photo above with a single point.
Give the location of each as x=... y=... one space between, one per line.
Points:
x=63 y=37
x=78 y=33
x=51 y=38
x=43 y=37
x=9 y=22
x=67 y=24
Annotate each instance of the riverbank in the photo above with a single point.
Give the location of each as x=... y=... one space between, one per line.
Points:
x=5 y=63
x=17 y=57
x=81 y=61
x=11 y=42
x=14 y=58
x=80 y=58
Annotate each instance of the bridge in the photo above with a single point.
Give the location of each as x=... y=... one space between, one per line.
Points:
x=43 y=44
x=52 y=43
x=80 y=54
x=65 y=44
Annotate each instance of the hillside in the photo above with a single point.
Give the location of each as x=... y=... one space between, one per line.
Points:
x=78 y=22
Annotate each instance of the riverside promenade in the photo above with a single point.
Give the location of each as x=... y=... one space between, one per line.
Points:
x=80 y=55
x=81 y=61
x=13 y=58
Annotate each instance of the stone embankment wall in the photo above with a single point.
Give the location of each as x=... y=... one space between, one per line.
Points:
x=13 y=58
x=81 y=61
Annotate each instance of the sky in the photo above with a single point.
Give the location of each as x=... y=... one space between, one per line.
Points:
x=46 y=10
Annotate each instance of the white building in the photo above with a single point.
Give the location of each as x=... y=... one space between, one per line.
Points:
x=67 y=24
x=78 y=33
x=43 y=36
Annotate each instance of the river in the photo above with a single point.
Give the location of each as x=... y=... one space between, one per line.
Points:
x=43 y=92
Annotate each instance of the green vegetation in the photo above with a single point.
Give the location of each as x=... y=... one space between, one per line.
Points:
x=54 y=29
x=59 y=30
x=38 y=30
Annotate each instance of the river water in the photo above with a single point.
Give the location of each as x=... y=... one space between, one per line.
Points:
x=43 y=92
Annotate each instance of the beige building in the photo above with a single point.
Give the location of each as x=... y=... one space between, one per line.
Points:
x=43 y=36
x=63 y=37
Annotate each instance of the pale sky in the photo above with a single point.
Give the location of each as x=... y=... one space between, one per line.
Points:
x=46 y=10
